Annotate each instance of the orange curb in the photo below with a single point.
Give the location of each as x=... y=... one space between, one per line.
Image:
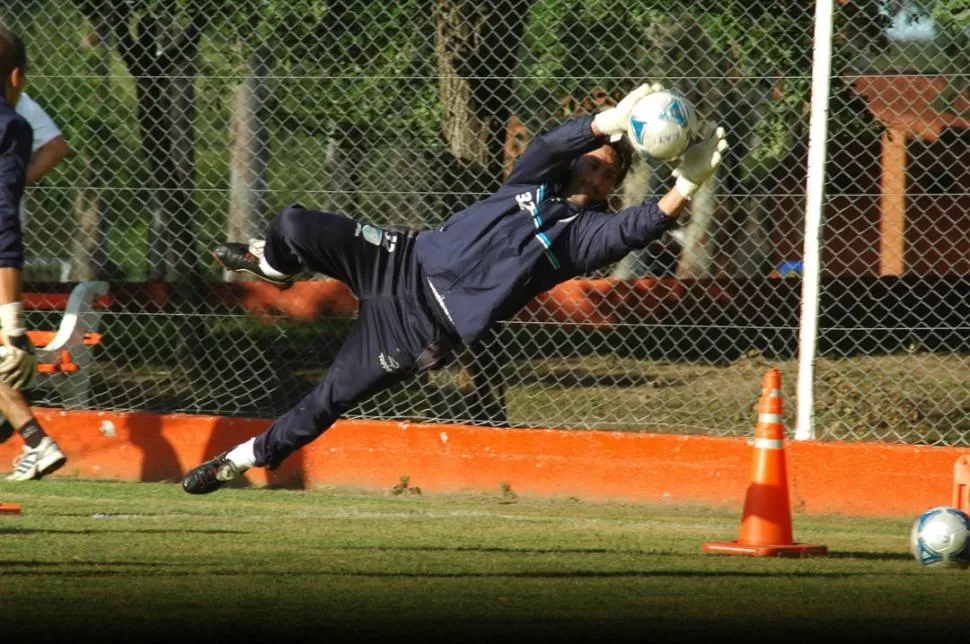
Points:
x=860 y=479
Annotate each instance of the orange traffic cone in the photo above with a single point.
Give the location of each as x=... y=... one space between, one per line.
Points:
x=766 y=524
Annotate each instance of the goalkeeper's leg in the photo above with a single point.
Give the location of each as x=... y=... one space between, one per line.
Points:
x=299 y=240
x=395 y=332
x=357 y=372
x=386 y=344
x=250 y=258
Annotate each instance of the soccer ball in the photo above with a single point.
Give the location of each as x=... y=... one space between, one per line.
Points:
x=941 y=538
x=661 y=125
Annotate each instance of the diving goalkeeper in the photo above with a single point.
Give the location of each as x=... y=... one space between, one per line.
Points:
x=423 y=293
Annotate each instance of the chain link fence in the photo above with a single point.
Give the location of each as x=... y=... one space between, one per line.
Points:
x=191 y=123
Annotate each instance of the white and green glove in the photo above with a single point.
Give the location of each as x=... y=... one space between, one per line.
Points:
x=18 y=363
x=613 y=122
x=700 y=161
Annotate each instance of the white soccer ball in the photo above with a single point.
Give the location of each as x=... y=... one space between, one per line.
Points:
x=661 y=125
x=941 y=538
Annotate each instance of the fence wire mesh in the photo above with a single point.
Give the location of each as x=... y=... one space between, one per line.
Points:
x=192 y=123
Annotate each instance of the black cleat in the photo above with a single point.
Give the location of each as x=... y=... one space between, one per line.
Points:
x=243 y=258
x=211 y=475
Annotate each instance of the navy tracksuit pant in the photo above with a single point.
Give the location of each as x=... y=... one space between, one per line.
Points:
x=399 y=328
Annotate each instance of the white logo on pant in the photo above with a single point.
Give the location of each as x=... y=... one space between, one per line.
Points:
x=376 y=236
x=388 y=364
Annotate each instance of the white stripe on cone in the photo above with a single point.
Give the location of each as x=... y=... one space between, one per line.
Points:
x=768 y=443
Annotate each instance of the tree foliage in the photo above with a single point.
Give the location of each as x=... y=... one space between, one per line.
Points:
x=366 y=72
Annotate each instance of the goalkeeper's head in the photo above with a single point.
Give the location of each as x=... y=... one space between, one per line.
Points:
x=596 y=174
x=13 y=65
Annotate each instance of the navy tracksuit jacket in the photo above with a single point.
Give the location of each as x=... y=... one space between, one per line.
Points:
x=422 y=293
x=491 y=259
x=16 y=138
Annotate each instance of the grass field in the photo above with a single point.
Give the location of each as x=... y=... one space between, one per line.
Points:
x=140 y=562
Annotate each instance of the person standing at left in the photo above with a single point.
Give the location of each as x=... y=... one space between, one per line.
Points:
x=18 y=363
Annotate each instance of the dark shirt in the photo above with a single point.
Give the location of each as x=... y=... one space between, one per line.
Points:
x=16 y=138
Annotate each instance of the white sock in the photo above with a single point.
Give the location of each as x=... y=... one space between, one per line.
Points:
x=242 y=455
x=269 y=270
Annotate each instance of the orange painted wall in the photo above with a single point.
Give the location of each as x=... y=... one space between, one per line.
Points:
x=861 y=479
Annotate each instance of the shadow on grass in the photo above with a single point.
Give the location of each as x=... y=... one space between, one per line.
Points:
x=89 y=531
x=613 y=574
x=872 y=556
x=640 y=629
x=75 y=569
x=75 y=564
x=538 y=551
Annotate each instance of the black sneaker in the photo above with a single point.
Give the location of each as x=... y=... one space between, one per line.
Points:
x=211 y=475
x=243 y=258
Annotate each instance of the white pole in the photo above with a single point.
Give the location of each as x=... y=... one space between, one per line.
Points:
x=811 y=257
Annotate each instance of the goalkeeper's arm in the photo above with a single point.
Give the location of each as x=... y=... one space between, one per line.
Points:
x=599 y=239
x=549 y=155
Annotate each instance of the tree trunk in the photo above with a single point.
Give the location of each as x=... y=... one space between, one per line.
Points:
x=89 y=256
x=182 y=212
x=160 y=54
x=153 y=97
x=343 y=175
x=755 y=248
x=249 y=154
x=747 y=246
x=184 y=262
x=476 y=44
x=695 y=257
x=162 y=60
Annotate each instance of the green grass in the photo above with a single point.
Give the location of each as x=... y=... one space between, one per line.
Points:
x=143 y=561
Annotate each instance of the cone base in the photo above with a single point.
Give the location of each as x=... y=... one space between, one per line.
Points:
x=9 y=508
x=782 y=550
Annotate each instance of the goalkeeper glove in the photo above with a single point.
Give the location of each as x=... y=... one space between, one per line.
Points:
x=614 y=121
x=18 y=364
x=701 y=160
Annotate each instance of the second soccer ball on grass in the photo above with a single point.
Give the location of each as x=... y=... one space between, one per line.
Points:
x=940 y=537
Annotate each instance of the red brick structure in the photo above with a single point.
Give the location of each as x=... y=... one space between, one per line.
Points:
x=915 y=108
x=937 y=215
